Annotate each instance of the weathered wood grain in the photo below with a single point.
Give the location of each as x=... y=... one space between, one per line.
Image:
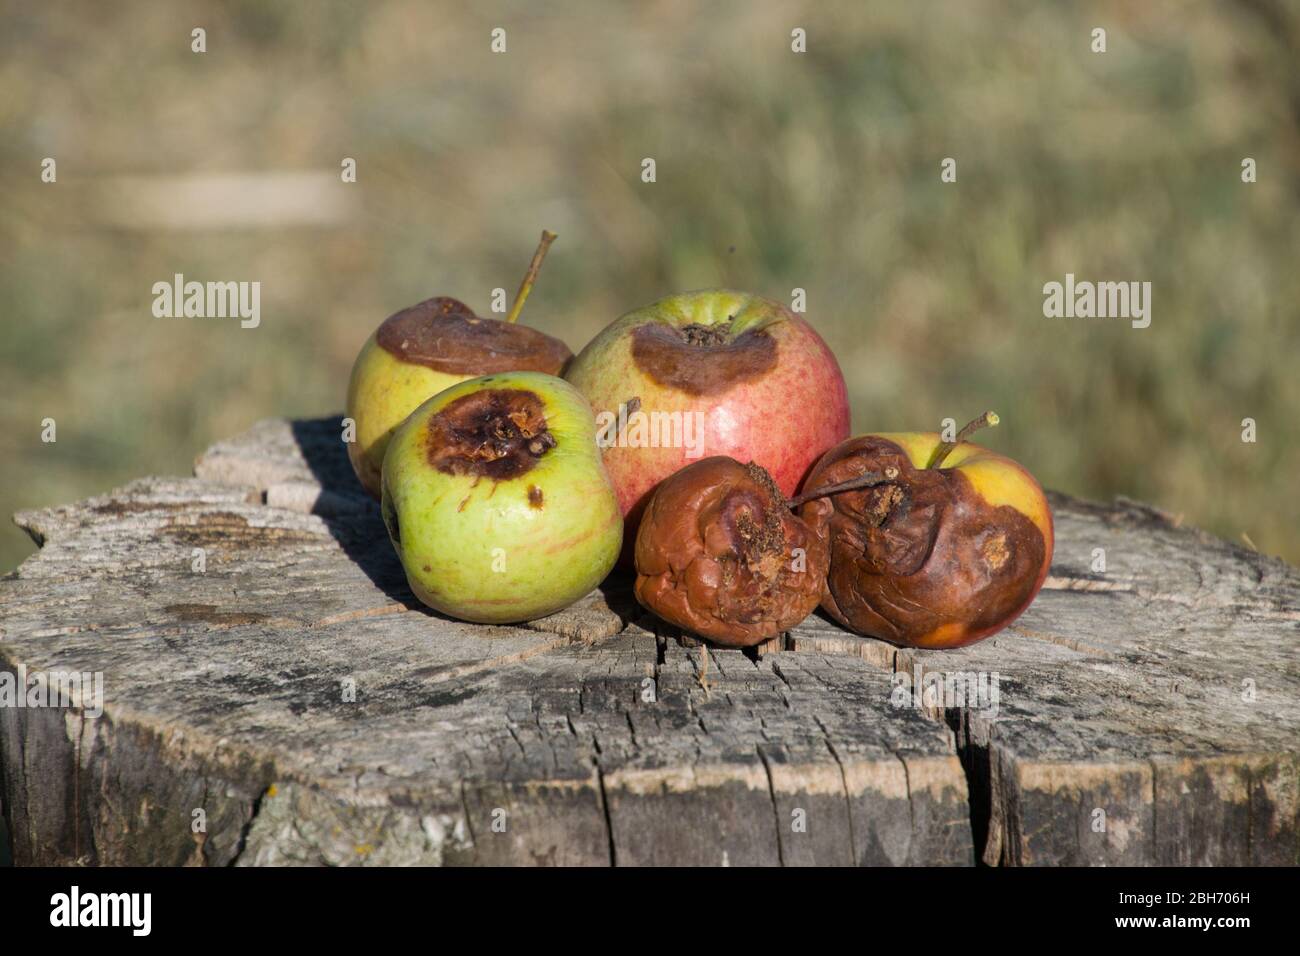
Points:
x=230 y=612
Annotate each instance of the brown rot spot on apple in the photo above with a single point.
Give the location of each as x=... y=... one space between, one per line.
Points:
x=995 y=551
x=495 y=433
x=707 y=336
x=534 y=497
x=445 y=335
x=702 y=359
x=720 y=554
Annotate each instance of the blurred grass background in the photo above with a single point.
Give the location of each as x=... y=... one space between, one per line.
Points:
x=775 y=171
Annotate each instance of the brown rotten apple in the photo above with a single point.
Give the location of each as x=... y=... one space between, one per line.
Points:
x=418 y=352
x=720 y=553
x=950 y=551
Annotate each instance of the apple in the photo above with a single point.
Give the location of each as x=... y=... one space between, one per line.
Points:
x=710 y=373
x=496 y=499
x=421 y=350
x=946 y=544
x=719 y=553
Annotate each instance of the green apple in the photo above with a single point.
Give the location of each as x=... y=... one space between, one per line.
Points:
x=497 y=501
x=419 y=351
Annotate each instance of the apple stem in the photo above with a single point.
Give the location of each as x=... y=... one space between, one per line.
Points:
x=987 y=420
x=866 y=480
x=530 y=276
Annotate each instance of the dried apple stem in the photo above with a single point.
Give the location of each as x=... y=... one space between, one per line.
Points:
x=866 y=480
x=987 y=420
x=530 y=276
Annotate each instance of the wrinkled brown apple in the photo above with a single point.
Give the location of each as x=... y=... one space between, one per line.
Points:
x=948 y=552
x=719 y=553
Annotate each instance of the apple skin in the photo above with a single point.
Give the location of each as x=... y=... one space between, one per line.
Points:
x=422 y=350
x=939 y=558
x=454 y=515
x=771 y=393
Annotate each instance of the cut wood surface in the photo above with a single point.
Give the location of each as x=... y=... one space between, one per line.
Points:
x=273 y=693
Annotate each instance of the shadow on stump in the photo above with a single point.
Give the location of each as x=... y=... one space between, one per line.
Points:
x=351 y=515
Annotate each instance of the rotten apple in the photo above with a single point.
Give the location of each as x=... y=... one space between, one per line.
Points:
x=719 y=553
x=496 y=500
x=421 y=350
x=710 y=373
x=946 y=543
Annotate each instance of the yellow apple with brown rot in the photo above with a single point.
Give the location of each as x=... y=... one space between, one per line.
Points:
x=946 y=544
x=422 y=350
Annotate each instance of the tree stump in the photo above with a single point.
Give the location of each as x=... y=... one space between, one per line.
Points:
x=1145 y=714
